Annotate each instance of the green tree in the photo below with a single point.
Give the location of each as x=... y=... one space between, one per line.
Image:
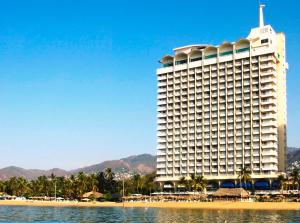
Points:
x=12 y=186
x=137 y=181
x=2 y=186
x=109 y=174
x=81 y=184
x=101 y=182
x=182 y=182
x=110 y=183
x=22 y=187
x=281 y=180
x=199 y=183
x=296 y=178
x=106 y=182
x=43 y=186
x=149 y=183
x=244 y=176
x=70 y=188
x=93 y=182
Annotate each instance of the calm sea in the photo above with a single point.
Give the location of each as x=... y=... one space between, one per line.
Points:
x=117 y=214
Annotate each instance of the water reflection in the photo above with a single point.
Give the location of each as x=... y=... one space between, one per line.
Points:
x=138 y=215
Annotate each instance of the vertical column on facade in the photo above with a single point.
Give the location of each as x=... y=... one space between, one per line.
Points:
x=251 y=111
x=210 y=122
x=196 y=114
x=167 y=123
x=260 y=116
x=243 y=113
x=195 y=121
x=181 y=128
x=234 y=112
x=202 y=113
x=188 y=118
x=218 y=114
x=173 y=122
x=226 y=122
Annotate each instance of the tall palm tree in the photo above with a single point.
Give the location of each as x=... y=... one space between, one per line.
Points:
x=93 y=182
x=2 y=186
x=149 y=182
x=81 y=183
x=73 y=186
x=190 y=180
x=22 y=186
x=109 y=174
x=244 y=175
x=12 y=186
x=137 y=181
x=201 y=183
x=182 y=182
x=43 y=184
x=60 y=186
x=69 y=188
x=198 y=183
x=52 y=184
x=193 y=181
x=281 y=180
x=34 y=187
x=296 y=178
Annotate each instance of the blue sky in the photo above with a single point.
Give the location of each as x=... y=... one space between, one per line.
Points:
x=77 y=78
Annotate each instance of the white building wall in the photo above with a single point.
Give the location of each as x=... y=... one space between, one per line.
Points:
x=219 y=112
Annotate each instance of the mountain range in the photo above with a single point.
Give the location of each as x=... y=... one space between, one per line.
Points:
x=142 y=164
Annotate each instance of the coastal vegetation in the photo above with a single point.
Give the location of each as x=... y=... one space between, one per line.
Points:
x=106 y=183
x=75 y=186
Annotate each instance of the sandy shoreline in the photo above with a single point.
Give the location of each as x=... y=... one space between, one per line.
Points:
x=190 y=205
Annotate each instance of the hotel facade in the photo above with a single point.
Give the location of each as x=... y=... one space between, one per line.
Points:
x=222 y=108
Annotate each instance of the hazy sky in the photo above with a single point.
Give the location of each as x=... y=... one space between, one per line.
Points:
x=77 y=78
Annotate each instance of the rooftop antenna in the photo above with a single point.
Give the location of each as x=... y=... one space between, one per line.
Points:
x=261 y=15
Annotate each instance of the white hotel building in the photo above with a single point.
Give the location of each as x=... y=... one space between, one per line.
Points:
x=221 y=108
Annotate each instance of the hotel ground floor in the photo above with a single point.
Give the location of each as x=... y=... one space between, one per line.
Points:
x=256 y=182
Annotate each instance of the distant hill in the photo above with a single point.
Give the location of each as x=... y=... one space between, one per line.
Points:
x=14 y=171
x=293 y=154
x=142 y=164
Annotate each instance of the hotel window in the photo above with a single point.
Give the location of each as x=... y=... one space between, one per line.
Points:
x=264 y=41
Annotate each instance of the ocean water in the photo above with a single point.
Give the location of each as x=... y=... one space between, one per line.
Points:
x=137 y=215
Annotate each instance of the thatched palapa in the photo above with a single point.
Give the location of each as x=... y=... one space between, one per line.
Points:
x=92 y=194
x=231 y=193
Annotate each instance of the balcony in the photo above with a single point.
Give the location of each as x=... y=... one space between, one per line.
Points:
x=269 y=87
x=267 y=73
x=269 y=145
x=161 y=84
x=268 y=109
x=269 y=123
x=268 y=80
x=269 y=153
x=264 y=66
x=159 y=159
x=267 y=58
x=161 y=102
x=269 y=138
x=241 y=50
x=269 y=160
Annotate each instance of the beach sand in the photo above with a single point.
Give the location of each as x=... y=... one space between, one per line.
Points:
x=232 y=205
